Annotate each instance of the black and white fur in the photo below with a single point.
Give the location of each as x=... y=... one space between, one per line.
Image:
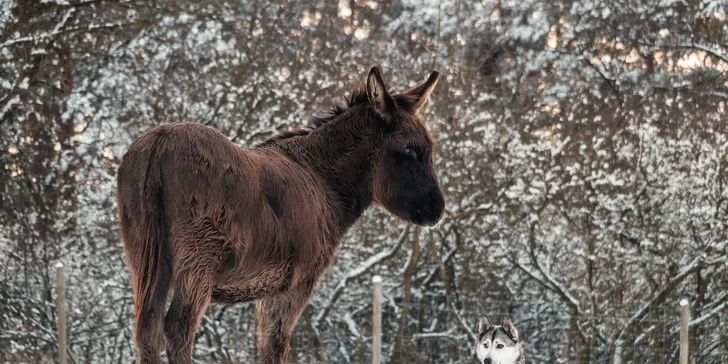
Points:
x=498 y=344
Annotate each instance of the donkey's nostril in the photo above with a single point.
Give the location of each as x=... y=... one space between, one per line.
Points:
x=429 y=209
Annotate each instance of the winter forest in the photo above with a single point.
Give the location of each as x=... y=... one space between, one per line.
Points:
x=582 y=150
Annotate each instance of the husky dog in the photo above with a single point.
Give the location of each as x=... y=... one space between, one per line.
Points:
x=498 y=344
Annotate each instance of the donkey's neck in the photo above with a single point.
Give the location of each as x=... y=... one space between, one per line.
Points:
x=340 y=153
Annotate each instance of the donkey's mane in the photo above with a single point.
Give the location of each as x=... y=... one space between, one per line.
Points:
x=357 y=97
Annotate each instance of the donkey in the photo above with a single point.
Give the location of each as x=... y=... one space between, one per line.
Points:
x=219 y=223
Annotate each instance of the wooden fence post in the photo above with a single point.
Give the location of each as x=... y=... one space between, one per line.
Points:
x=61 y=313
x=377 y=321
x=684 y=320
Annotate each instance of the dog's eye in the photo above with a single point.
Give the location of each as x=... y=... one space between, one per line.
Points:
x=500 y=346
x=410 y=152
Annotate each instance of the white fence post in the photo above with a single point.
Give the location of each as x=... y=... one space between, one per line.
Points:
x=61 y=313
x=377 y=321
x=684 y=320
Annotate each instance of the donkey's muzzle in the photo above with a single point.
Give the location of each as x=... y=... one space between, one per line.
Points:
x=430 y=210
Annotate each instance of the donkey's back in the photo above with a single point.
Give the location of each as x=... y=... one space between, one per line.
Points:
x=184 y=169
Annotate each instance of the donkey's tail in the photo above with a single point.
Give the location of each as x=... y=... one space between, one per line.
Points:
x=144 y=229
x=152 y=228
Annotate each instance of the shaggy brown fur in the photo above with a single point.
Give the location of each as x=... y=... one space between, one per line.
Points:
x=219 y=223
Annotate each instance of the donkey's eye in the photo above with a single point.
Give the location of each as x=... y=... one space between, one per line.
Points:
x=410 y=152
x=500 y=346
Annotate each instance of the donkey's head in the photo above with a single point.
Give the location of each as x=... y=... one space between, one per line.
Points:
x=405 y=182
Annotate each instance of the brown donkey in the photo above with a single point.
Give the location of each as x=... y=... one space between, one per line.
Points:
x=218 y=223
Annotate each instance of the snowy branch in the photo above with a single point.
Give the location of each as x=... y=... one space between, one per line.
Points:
x=449 y=334
x=363 y=268
x=48 y=35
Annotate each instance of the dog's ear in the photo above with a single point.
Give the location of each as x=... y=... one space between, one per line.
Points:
x=509 y=328
x=484 y=324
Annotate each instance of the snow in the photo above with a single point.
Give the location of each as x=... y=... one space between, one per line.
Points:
x=9 y=105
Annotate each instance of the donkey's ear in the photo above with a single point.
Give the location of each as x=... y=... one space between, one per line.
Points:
x=378 y=95
x=509 y=328
x=484 y=324
x=420 y=94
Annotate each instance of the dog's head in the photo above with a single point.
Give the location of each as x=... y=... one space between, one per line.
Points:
x=497 y=344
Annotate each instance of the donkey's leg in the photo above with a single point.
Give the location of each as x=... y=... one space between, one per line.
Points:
x=277 y=315
x=150 y=313
x=195 y=265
